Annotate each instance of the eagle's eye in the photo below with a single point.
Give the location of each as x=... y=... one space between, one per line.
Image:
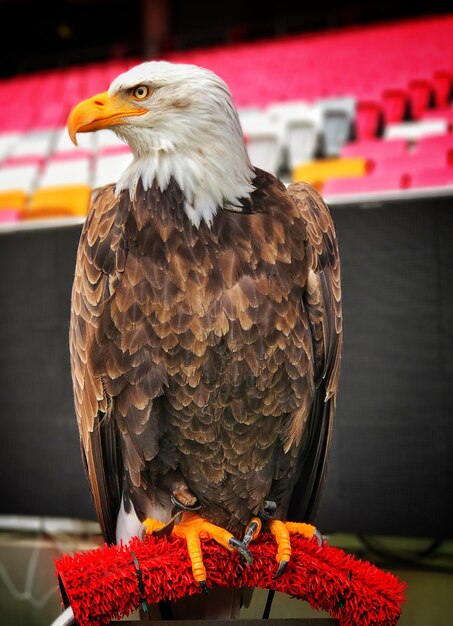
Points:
x=141 y=92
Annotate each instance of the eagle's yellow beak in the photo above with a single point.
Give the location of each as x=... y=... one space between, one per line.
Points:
x=100 y=111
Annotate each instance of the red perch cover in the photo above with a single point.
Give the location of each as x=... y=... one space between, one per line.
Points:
x=110 y=582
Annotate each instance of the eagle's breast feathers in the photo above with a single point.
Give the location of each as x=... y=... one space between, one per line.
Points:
x=203 y=346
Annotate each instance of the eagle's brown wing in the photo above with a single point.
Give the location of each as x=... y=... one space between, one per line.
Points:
x=100 y=257
x=323 y=304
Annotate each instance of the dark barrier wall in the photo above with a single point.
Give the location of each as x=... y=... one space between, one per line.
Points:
x=391 y=467
x=40 y=463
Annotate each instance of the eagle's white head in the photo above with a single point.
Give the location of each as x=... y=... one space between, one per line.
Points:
x=181 y=123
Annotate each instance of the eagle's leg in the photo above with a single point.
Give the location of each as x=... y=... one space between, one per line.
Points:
x=255 y=525
x=193 y=528
x=281 y=532
x=252 y=530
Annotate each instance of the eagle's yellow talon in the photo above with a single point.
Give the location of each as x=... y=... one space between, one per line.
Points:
x=281 y=532
x=192 y=528
x=307 y=530
x=281 y=536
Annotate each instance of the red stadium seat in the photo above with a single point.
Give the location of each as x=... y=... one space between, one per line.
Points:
x=368 y=119
x=420 y=95
x=394 y=105
x=442 y=85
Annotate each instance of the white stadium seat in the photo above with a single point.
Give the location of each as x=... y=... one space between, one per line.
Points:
x=108 y=139
x=337 y=119
x=85 y=141
x=71 y=171
x=109 y=167
x=34 y=144
x=19 y=177
x=414 y=130
x=7 y=142
x=300 y=124
x=263 y=139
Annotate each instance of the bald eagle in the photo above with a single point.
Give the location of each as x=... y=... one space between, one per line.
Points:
x=205 y=332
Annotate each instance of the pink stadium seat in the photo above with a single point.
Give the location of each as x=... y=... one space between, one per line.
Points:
x=112 y=150
x=365 y=184
x=51 y=115
x=23 y=161
x=445 y=114
x=8 y=216
x=410 y=163
x=375 y=148
x=442 y=144
x=78 y=153
x=433 y=177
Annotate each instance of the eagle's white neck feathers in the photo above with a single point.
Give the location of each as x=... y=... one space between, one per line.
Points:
x=191 y=133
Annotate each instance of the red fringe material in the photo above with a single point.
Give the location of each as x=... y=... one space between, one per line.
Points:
x=103 y=584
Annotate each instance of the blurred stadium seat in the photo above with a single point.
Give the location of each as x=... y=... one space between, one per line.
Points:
x=64 y=189
x=319 y=171
x=412 y=131
x=431 y=143
x=299 y=125
x=432 y=177
x=375 y=148
x=16 y=182
x=421 y=94
x=337 y=119
x=368 y=119
x=394 y=105
x=109 y=166
x=390 y=181
x=264 y=137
